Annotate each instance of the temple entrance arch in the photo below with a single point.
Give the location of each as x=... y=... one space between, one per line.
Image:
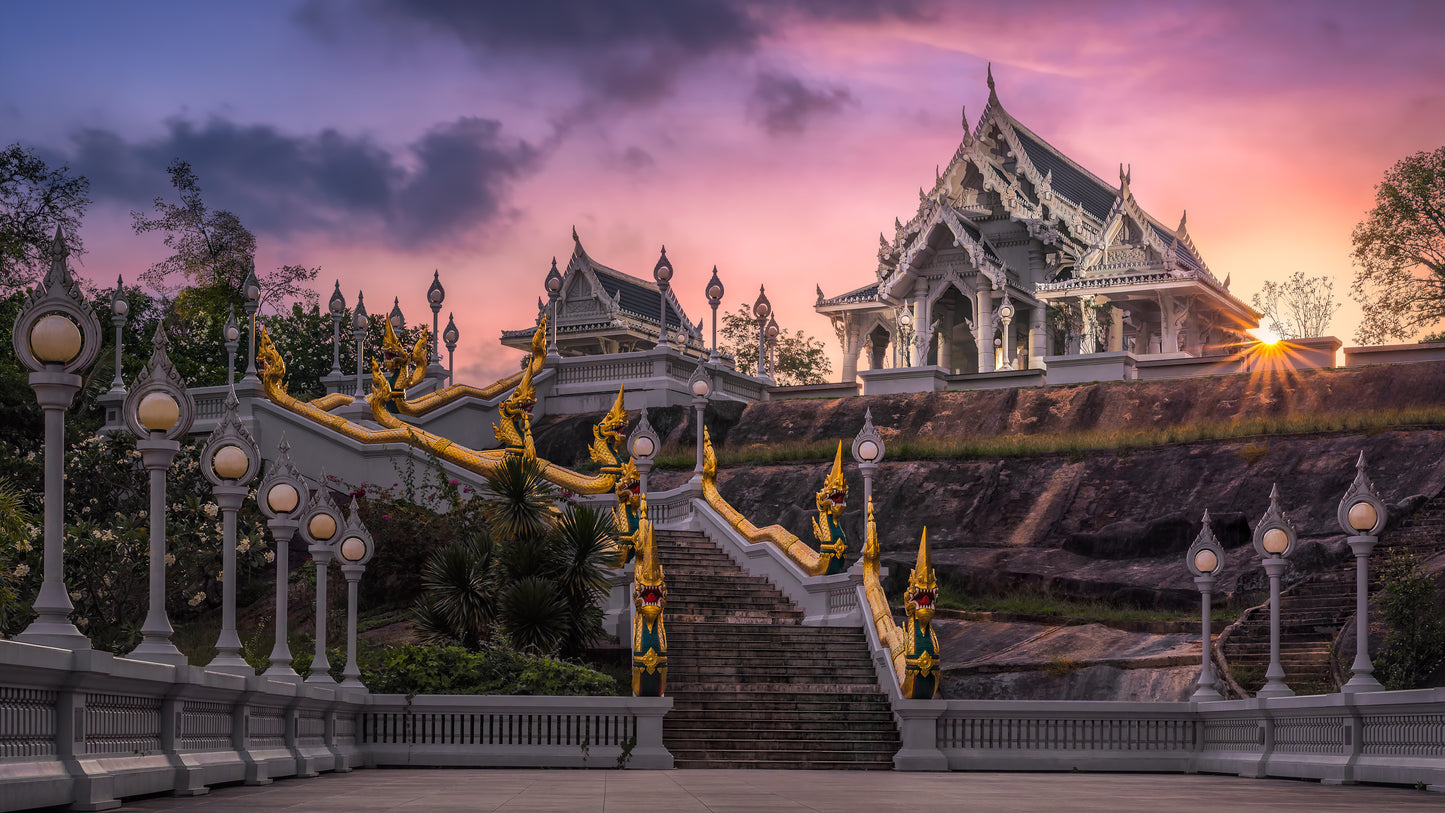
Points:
x=877 y=345
x=953 y=346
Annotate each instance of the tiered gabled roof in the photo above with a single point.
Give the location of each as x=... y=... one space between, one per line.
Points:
x=620 y=301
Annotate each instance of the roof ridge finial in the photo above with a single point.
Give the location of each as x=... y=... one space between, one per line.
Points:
x=992 y=91
x=1183 y=219
x=964 y=114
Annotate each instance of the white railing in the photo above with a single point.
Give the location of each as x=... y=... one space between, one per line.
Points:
x=531 y=732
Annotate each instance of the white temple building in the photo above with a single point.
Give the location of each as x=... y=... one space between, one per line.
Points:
x=1018 y=259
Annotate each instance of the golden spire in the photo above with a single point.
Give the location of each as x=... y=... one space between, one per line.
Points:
x=649 y=568
x=870 y=538
x=835 y=483
x=922 y=576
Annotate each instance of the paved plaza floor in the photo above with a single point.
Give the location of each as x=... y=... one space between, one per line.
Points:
x=542 y=791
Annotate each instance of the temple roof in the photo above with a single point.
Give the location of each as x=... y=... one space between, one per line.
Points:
x=1068 y=178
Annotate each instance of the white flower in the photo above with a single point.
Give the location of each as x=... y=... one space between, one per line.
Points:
x=195 y=601
x=268 y=556
x=220 y=577
x=22 y=545
x=170 y=558
x=176 y=507
x=75 y=595
x=242 y=545
x=210 y=509
x=22 y=569
x=142 y=515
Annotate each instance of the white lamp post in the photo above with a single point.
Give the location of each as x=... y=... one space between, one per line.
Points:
x=1362 y=515
x=701 y=386
x=359 y=320
x=905 y=337
x=251 y=288
x=451 y=336
x=321 y=527
x=714 y=298
x=355 y=550
x=56 y=336
x=282 y=500
x=643 y=444
x=1205 y=560
x=158 y=411
x=1274 y=538
x=337 y=307
x=231 y=333
x=662 y=274
x=435 y=295
x=398 y=321
x=762 y=309
x=868 y=451
x=230 y=460
x=554 y=289
x=119 y=311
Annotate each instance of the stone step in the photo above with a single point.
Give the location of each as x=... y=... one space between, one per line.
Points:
x=845 y=754
x=744 y=719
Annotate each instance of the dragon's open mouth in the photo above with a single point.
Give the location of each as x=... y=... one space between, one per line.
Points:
x=651 y=597
x=839 y=497
x=925 y=598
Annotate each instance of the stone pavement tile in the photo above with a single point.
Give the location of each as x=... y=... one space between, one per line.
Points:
x=685 y=791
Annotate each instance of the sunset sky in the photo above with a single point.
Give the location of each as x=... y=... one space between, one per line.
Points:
x=382 y=139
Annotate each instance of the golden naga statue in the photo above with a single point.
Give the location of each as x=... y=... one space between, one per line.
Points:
x=607 y=442
x=628 y=514
x=814 y=563
x=913 y=650
x=827 y=526
x=514 y=431
x=272 y=370
x=410 y=367
x=649 y=596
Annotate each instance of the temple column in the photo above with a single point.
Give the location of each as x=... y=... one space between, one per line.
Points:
x=850 y=350
x=921 y=330
x=985 y=329
x=1116 y=328
x=1168 y=335
x=1038 y=337
x=945 y=340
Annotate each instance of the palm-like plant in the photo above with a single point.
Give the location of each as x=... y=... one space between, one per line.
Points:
x=13 y=518
x=459 y=599
x=535 y=582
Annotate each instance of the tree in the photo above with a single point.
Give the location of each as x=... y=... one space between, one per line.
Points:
x=798 y=358
x=1300 y=306
x=214 y=252
x=1409 y=604
x=1400 y=251
x=34 y=200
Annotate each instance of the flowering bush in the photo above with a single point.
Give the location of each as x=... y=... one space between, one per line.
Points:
x=107 y=540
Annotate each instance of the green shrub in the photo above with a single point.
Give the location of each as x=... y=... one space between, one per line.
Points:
x=1415 y=643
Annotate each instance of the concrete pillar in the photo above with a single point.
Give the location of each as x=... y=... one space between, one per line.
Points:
x=921 y=327
x=1116 y=328
x=1038 y=337
x=1169 y=337
x=945 y=340
x=984 y=324
x=850 y=351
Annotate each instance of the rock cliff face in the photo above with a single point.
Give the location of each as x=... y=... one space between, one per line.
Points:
x=1108 y=525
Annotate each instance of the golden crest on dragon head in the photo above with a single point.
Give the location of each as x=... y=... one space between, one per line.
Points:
x=921 y=597
x=607 y=439
x=832 y=498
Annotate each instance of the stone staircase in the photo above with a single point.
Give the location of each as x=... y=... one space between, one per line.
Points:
x=1313 y=610
x=751 y=686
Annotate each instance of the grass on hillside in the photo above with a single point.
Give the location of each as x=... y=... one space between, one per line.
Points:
x=1075 y=444
x=1045 y=603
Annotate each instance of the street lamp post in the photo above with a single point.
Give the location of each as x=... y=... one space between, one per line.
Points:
x=1205 y=560
x=355 y=549
x=119 y=311
x=701 y=386
x=714 y=298
x=359 y=319
x=251 y=288
x=56 y=337
x=868 y=452
x=1274 y=538
x=337 y=306
x=398 y=321
x=230 y=460
x=231 y=333
x=905 y=338
x=762 y=309
x=1362 y=515
x=158 y=411
x=643 y=444
x=451 y=336
x=554 y=290
x=282 y=500
x=435 y=295
x=321 y=527
x=772 y=346
x=662 y=273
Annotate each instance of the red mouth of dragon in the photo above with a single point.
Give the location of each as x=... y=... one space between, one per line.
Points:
x=925 y=598
x=651 y=597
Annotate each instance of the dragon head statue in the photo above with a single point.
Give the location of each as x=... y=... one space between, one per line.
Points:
x=833 y=497
x=607 y=442
x=403 y=368
x=649 y=596
x=629 y=504
x=270 y=366
x=920 y=671
x=514 y=430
